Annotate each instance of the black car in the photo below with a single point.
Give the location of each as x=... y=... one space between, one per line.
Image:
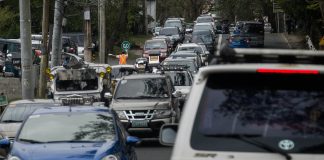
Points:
x=174 y=34
x=204 y=37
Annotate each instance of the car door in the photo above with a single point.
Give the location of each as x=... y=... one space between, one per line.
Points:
x=127 y=150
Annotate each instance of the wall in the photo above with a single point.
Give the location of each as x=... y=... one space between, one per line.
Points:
x=11 y=87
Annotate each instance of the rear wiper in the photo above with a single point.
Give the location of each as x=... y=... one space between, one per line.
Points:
x=29 y=140
x=11 y=121
x=247 y=139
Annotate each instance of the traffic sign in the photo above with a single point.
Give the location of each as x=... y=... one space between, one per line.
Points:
x=125 y=46
x=3 y=100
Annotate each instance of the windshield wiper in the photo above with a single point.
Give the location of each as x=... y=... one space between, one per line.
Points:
x=29 y=140
x=72 y=141
x=11 y=121
x=247 y=139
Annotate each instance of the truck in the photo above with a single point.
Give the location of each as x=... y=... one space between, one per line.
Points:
x=79 y=82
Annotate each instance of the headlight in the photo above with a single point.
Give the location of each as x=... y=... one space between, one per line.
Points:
x=110 y=157
x=121 y=115
x=13 y=158
x=166 y=113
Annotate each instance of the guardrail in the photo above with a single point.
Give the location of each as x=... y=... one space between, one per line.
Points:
x=310 y=43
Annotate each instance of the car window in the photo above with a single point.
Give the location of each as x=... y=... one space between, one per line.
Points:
x=21 y=111
x=142 y=88
x=51 y=128
x=202 y=38
x=169 y=31
x=202 y=27
x=155 y=45
x=173 y=24
x=204 y=19
x=179 y=78
x=261 y=106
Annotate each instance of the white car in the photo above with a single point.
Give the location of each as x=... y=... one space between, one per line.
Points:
x=253 y=111
x=204 y=53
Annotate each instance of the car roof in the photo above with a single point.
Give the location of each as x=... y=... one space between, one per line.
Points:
x=156 y=40
x=169 y=28
x=174 y=20
x=203 y=24
x=185 y=52
x=143 y=76
x=71 y=109
x=189 y=45
x=33 y=101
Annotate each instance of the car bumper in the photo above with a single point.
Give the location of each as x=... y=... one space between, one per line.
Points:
x=153 y=125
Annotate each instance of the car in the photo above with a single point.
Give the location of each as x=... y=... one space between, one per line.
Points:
x=204 y=53
x=144 y=102
x=69 y=45
x=236 y=41
x=168 y=41
x=190 y=63
x=254 y=31
x=72 y=132
x=174 y=34
x=205 y=19
x=204 y=37
x=232 y=28
x=182 y=80
x=16 y=112
x=189 y=28
x=205 y=26
x=78 y=39
x=156 y=50
x=176 y=22
x=255 y=103
x=188 y=54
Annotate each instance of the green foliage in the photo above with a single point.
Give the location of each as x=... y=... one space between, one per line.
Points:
x=9 y=23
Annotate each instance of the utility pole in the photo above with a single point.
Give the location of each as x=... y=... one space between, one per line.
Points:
x=45 y=49
x=57 y=33
x=145 y=17
x=102 y=31
x=26 y=50
x=87 y=38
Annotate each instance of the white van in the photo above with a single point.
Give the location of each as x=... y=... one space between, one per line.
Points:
x=253 y=111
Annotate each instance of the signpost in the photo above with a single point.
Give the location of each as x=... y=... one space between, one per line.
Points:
x=277 y=9
x=125 y=46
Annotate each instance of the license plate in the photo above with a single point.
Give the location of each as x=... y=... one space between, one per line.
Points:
x=141 y=66
x=139 y=123
x=154 y=59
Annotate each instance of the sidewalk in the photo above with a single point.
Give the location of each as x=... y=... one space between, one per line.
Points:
x=296 y=41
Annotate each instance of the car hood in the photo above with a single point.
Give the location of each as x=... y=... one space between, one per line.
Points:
x=9 y=129
x=62 y=151
x=140 y=104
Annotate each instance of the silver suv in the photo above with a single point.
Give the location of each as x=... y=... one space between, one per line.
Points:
x=144 y=102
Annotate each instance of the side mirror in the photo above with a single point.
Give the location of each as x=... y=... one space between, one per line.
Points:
x=4 y=143
x=177 y=94
x=168 y=134
x=132 y=140
x=108 y=95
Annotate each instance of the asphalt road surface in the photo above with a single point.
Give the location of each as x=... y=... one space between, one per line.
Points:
x=151 y=149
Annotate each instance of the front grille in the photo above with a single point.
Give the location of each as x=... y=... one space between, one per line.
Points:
x=139 y=114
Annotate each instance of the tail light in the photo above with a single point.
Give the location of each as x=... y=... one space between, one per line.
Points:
x=287 y=71
x=145 y=54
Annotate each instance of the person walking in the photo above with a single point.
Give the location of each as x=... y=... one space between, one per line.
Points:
x=122 y=57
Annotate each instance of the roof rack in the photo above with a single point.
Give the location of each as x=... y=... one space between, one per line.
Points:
x=174 y=67
x=228 y=55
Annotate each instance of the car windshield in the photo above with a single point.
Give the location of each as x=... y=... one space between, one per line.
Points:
x=19 y=112
x=179 y=78
x=68 y=127
x=199 y=49
x=202 y=38
x=155 y=45
x=142 y=88
x=120 y=72
x=202 y=27
x=204 y=19
x=190 y=64
x=266 y=107
x=173 y=24
x=76 y=85
x=169 y=31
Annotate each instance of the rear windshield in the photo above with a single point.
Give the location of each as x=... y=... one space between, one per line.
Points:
x=173 y=24
x=253 y=28
x=204 y=19
x=155 y=45
x=266 y=108
x=169 y=31
x=202 y=27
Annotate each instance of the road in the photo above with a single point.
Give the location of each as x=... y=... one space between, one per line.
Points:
x=148 y=150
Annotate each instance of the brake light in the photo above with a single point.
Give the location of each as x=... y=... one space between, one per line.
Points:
x=286 y=71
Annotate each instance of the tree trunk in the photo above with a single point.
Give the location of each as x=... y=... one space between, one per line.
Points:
x=322 y=8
